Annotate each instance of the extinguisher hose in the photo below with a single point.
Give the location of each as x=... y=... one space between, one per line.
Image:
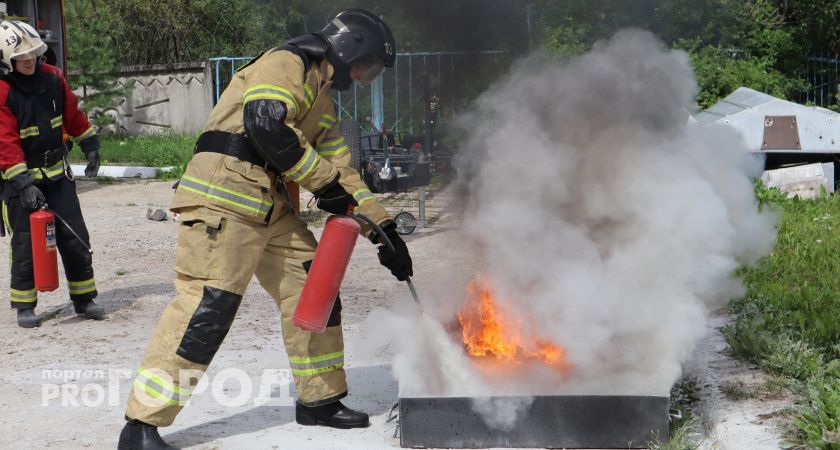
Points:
x=82 y=241
x=390 y=246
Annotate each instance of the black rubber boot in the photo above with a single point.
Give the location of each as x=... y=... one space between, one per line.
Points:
x=137 y=435
x=27 y=318
x=90 y=310
x=333 y=415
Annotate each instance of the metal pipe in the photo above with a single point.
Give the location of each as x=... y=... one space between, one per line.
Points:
x=218 y=83
x=410 y=97
x=396 y=97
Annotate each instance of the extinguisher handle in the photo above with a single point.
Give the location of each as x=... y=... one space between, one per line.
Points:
x=376 y=228
x=390 y=246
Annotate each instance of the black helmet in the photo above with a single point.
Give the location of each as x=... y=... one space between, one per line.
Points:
x=359 y=36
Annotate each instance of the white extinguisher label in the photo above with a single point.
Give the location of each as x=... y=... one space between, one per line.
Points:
x=51 y=236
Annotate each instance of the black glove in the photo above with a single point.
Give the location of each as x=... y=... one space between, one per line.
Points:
x=30 y=196
x=333 y=199
x=92 y=168
x=90 y=147
x=397 y=261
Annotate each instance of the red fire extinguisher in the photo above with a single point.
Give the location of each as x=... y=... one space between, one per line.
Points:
x=324 y=279
x=44 y=255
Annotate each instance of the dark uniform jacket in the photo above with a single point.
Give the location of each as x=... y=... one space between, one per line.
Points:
x=35 y=112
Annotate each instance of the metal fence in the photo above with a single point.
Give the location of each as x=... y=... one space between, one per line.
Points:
x=823 y=75
x=455 y=78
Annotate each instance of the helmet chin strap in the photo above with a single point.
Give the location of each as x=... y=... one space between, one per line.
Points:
x=341 y=72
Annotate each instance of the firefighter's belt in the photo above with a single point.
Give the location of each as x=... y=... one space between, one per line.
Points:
x=47 y=159
x=230 y=144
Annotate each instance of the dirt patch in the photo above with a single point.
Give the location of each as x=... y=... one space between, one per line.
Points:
x=742 y=407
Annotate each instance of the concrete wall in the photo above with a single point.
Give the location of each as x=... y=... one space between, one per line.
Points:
x=166 y=98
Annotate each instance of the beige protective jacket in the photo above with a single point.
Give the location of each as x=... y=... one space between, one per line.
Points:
x=225 y=183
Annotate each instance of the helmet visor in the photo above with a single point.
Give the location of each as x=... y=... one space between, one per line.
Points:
x=29 y=54
x=371 y=72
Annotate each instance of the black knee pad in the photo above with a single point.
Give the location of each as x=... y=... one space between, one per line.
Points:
x=209 y=325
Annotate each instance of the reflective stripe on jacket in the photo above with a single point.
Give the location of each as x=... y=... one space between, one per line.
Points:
x=225 y=183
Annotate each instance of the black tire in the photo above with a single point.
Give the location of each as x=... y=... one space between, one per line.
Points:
x=406 y=223
x=352 y=134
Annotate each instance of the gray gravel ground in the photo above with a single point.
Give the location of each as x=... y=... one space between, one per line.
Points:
x=134 y=259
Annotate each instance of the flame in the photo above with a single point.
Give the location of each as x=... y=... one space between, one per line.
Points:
x=491 y=331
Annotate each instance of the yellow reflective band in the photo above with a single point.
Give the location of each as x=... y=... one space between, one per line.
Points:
x=363 y=195
x=316 y=365
x=51 y=172
x=17 y=169
x=320 y=370
x=327 y=121
x=27 y=296
x=149 y=390
x=270 y=92
x=333 y=147
x=29 y=132
x=305 y=166
x=158 y=388
x=8 y=225
x=88 y=133
x=82 y=287
x=321 y=358
x=164 y=384
x=205 y=189
x=56 y=122
x=308 y=96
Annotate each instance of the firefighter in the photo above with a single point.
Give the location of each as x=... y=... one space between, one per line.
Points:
x=36 y=107
x=275 y=123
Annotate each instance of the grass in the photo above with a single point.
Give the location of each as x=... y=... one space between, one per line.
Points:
x=685 y=429
x=818 y=422
x=773 y=389
x=685 y=436
x=738 y=390
x=789 y=320
x=163 y=150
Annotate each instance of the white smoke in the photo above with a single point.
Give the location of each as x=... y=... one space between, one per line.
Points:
x=602 y=216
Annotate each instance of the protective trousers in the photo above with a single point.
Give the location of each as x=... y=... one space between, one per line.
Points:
x=217 y=256
x=78 y=262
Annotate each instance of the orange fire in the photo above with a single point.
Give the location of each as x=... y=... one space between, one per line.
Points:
x=490 y=331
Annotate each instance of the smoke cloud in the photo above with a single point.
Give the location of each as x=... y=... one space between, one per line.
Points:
x=608 y=222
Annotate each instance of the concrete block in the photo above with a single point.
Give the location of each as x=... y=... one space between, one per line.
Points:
x=803 y=181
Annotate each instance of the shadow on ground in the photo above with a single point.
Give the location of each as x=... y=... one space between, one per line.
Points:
x=373 y=391
x=111 y=300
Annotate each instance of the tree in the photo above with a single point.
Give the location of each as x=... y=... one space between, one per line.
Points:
x=91 y=61
x=175 y=31
x=732 y=43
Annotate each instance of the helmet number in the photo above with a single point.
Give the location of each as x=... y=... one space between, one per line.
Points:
x=13 y=40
